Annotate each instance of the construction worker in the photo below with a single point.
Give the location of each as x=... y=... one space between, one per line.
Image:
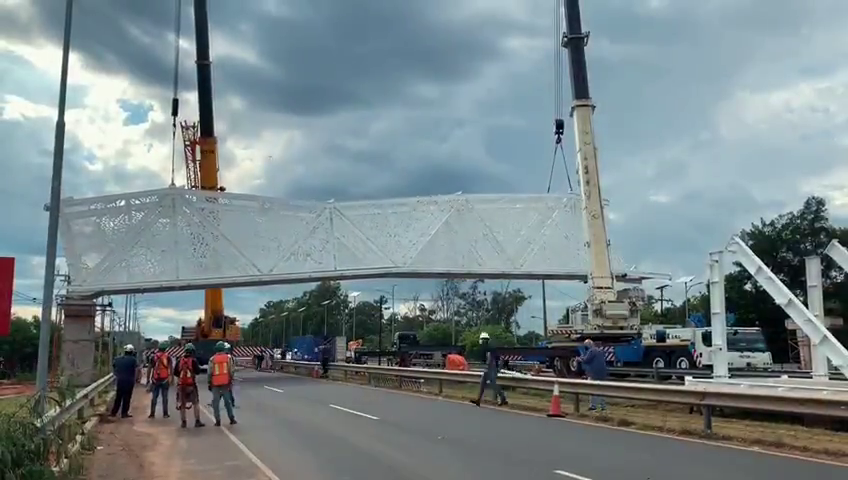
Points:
x=221 y=383
x=160 y=379
x=595 y=365
x=126 y=370
x=186 y=372
x=490 y=376
x=229 y=350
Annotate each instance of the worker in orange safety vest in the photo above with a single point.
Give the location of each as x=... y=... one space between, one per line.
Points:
x=160 y=380
x=221 y=382
x=186 y=372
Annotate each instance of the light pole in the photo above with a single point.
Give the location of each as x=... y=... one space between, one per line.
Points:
x=326 y=304
x=354 y=295
x=687 y=285
x=300 y=311
x=283 y=319
x=53 y=220
x=392 y=316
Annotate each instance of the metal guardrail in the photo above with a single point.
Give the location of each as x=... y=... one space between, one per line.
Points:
x=834 y=405
x=76 y=405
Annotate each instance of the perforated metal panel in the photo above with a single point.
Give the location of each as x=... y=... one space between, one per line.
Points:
x=176 y=239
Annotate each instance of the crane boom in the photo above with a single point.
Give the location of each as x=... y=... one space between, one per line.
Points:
x=608 y=316
x=214 y=325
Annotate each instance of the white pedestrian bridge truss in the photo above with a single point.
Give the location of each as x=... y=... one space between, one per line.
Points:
x=176 y=239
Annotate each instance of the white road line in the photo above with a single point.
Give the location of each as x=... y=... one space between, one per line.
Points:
x=253 y=458
x=571 y=475
x=372 y=417
x=273 y=389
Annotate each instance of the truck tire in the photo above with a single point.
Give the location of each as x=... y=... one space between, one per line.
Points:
x=682 y=361
x=658 y=360
x=567 y=367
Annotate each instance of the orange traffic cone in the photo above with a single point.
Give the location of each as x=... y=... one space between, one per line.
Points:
x=556 y=403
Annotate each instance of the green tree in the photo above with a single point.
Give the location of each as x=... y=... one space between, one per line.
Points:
x=782 y=243
x=529 y=339
x=436 y=334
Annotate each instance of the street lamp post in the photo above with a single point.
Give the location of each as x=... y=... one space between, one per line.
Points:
x=354 y=295
x=301 y=320
x=687 y=285
x=283 y=319
x=326 y=305
x=53 y=220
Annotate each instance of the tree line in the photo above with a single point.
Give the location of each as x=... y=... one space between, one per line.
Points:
x=459 y=309
x=782 y=243
x=19 y=349
x=455 y=315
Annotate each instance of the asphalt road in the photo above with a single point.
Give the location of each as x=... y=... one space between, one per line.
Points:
x=304 y=428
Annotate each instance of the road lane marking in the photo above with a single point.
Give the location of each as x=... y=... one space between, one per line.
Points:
x=273 y=389
x=571 y=475
x=372 y=417
x=253 y=458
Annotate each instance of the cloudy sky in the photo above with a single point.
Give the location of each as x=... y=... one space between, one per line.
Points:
x=710 y=114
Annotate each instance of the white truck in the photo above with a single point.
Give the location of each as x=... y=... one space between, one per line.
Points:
x=684 y=348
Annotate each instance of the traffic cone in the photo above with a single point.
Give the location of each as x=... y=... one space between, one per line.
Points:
x=556 y=403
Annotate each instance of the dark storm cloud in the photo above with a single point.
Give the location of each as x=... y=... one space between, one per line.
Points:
x=330 y=70
x=27 y=158
x=319 y=57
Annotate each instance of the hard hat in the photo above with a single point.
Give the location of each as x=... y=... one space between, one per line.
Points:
x=220 y=347
x=227 y=346
x=189 y=347
x=163 y=346
x=484 y=336
x=129 y=348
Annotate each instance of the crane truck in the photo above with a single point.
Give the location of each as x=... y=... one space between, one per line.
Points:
x=608 y=317
x=202 y=174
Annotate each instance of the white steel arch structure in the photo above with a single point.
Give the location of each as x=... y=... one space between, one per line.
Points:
x=176 y=239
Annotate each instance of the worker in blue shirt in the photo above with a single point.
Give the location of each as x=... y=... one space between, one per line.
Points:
x=595 y=366
x=490 y=376
x=125 y=369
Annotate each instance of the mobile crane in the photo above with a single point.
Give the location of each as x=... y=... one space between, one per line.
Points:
x=202 y=174
x=607 y=316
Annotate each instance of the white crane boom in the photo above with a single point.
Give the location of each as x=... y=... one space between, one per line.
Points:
x=609 y=317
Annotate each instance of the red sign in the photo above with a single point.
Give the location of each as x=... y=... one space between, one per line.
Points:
x=7 y=285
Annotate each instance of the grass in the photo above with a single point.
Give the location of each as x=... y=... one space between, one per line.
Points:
x=24 y=452
x=782 y=436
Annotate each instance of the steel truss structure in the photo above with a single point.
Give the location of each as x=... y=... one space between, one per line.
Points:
x=176 y=239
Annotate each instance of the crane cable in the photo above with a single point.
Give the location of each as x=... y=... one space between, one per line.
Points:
x=559 y=110
x=175 y=101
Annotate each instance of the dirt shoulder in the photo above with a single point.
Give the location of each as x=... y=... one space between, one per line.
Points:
x=139 y=448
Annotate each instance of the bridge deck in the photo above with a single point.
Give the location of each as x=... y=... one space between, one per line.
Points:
x=176 y=239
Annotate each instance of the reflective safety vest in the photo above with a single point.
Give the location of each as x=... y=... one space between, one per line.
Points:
x=220 y=369
x=187 y=372
x=160 y=367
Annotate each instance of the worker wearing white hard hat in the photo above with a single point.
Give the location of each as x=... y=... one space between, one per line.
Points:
x=125 y=369
x=490 y=376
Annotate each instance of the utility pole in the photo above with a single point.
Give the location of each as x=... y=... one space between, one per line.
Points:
x=544 y=312
x=53 y=220
x=393 y=310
